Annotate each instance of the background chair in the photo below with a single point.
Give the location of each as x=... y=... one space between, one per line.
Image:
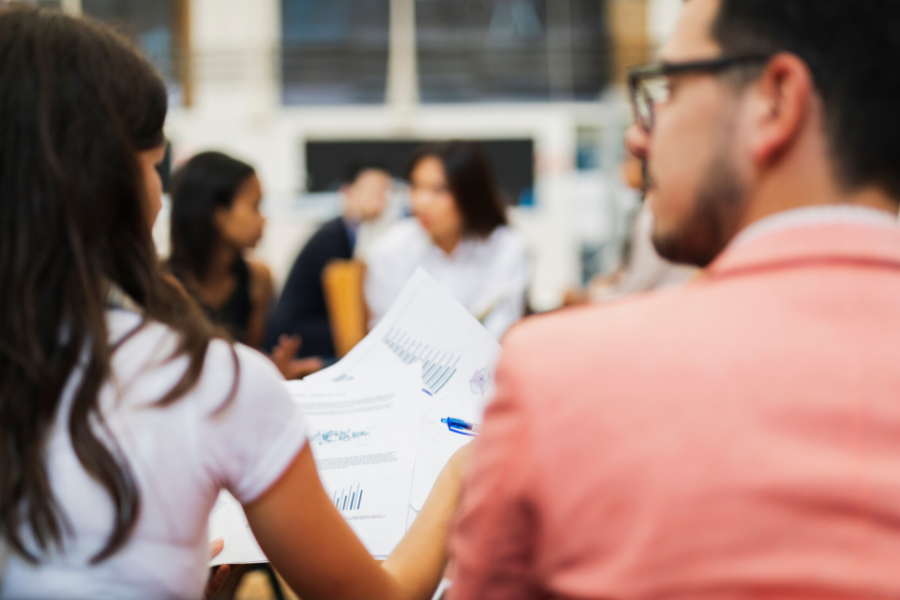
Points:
x=342 y=281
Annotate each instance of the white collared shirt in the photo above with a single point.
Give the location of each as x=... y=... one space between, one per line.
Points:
x=825 y=214
x=488 y=276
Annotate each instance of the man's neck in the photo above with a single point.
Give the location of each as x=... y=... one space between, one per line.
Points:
x=352 y=214
x=804 y=180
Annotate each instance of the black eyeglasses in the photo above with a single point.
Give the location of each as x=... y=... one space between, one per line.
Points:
x=650 y=85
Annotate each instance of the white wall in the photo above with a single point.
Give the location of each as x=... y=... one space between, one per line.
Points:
x=663 y=14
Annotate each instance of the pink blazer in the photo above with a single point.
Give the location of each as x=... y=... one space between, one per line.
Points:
x=738 y=438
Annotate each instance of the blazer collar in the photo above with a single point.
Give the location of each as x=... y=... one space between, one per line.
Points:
x=813 y=236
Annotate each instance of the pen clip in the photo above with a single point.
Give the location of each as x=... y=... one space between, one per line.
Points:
x=461 y=427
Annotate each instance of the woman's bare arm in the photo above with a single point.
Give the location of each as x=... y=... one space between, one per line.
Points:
x=319 y=556
x=262 y=292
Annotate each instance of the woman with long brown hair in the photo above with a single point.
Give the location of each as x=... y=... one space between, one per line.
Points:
x=123 y=411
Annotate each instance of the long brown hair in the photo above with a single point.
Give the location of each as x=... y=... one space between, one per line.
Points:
x=77 y=103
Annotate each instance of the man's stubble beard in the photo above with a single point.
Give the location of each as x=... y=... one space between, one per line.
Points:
x=718 y=204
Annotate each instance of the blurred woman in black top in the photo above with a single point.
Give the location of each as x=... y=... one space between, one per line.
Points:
x=215 y=218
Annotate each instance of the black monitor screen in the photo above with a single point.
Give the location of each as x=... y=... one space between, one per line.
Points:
x=327 y=163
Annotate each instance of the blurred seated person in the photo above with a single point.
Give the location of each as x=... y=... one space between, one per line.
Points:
x=643 y=269
x=301 y=311
x=459 y=236
x=215 y=219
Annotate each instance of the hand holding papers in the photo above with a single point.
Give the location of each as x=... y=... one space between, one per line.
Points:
x=375 y=417
x=363 y=441
x=362 y=437
x=455 y=354
x=228 y=522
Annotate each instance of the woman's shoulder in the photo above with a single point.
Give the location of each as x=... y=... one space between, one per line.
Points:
x=149 y=352
x=258 y=269
x=506 y=242
x=237 y=372
x=507 y=234
x=261 y=282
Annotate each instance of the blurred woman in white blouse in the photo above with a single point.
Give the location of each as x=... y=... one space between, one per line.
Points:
x=459 y=236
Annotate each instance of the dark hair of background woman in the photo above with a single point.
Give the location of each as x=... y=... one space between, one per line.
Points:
x=471 y=181
x=77 y=104
x=208 y=181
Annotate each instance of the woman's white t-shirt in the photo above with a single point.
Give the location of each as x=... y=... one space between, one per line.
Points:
x=181 y=456
x=489 y=276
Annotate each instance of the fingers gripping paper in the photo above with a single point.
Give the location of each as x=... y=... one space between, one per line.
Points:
x=375 y=417
x=455 y=354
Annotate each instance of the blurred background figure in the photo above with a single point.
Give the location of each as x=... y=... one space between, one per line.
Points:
x=301 y=310
x=300 y=88
x=459 y=236
x=215 y=219
x=642 y=269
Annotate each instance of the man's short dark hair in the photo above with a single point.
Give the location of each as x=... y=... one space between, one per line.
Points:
x=356 y=168
x=852 y=48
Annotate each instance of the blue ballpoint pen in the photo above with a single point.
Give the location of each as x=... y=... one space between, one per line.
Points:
x=461 y=427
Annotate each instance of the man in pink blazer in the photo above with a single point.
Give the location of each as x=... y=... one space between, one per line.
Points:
x=739 y=438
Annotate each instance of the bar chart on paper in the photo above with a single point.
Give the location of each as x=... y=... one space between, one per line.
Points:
x=438 y=366
x=348 y=498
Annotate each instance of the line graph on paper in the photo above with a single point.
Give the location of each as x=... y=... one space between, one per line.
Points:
x=438 y=366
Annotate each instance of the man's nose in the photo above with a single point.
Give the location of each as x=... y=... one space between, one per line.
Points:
x=637 y=141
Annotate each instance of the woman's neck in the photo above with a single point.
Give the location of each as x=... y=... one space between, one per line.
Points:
x=448 y=243
x=221 y=262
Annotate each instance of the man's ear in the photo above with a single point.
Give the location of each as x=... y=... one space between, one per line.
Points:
x=779 y=105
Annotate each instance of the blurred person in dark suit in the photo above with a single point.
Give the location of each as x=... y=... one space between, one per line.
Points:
x=301 y=316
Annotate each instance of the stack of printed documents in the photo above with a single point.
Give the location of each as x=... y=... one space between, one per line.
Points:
x=375 y=418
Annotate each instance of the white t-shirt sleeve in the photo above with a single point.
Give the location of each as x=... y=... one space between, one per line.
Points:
x=251 y=439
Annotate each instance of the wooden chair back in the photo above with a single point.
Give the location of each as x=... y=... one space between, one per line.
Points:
x=342 y=282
